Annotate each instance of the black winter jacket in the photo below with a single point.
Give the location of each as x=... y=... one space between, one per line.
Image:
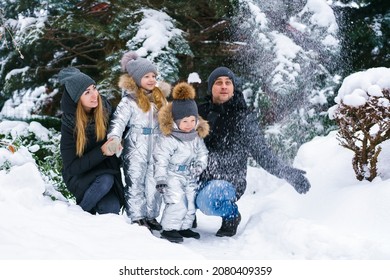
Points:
x=234 y=137
x=79 y=172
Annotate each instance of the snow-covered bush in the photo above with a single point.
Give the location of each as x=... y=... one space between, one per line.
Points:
x=20 y=140
x=363 y=115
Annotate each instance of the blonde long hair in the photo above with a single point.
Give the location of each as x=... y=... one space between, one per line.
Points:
x=157 y=96
x=99 y=114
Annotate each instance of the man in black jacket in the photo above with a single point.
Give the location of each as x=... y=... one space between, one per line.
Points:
x=234 y=137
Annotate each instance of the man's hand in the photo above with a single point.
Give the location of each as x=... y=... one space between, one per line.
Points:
x=297 y=179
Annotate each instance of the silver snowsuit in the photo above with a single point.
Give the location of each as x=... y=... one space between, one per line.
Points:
x=139 y=131
x=175 y=162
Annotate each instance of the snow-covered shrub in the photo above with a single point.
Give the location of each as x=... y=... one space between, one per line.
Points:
x=363 y=115
x=42 y=146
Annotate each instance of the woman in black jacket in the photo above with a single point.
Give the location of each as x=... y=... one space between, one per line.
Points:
x=234 y=137
x=90 y=171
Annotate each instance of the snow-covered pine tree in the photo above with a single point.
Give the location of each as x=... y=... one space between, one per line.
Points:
x=156 y=36
x=22 y=25
x=290 y=60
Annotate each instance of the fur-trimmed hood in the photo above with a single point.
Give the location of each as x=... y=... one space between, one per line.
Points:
x=166 y=122
x=159 y=93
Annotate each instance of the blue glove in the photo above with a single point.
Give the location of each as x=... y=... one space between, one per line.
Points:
x=161 y=188
x=297 y=179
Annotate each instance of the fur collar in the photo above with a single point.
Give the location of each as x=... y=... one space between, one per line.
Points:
x=166 y=122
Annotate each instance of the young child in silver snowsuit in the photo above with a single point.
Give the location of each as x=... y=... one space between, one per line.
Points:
x=135 y=120
x=180 y=156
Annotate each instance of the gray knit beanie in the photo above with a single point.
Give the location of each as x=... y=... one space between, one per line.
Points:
x=219 y=72
x=184 y=108
x=136 y=66
x=183 y=104
x=75 y=82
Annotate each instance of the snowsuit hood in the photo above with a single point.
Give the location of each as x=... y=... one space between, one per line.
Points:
x=183 y=94
x=167 y=123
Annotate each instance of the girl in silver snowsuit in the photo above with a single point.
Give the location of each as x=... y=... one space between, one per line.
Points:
x=180 y=156
x=135 y=121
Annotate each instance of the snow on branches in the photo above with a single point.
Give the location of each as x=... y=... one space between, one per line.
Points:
x=363 y=116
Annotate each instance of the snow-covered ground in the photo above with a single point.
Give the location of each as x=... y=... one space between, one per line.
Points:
x=340 y=218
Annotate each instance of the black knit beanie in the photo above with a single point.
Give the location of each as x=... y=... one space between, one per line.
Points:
x=219 y=72
x=75 y=82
